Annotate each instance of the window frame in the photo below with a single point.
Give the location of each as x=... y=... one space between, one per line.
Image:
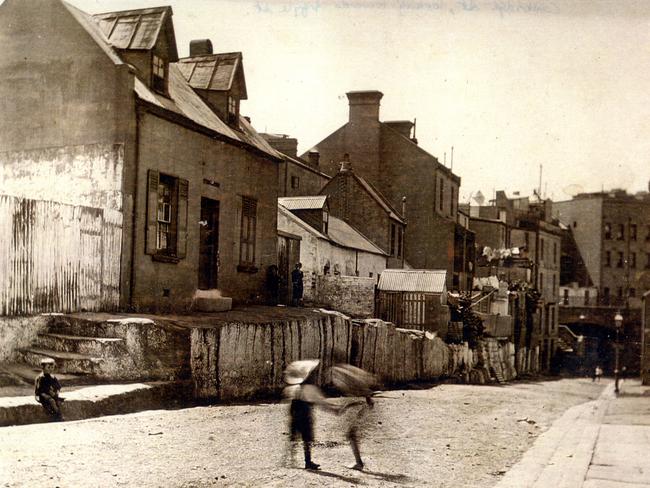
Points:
x=159 y=74
x=248 y=235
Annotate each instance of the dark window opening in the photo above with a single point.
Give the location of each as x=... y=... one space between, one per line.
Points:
x=442 y=194
x=247 y=234
x=608 y=231
x=632 y=260
x=400 y=238
x=233 y=110
x=159 y=72
x=619 y=262
x=393 y=232
x=620 y=235
x=608 y=259
x=633 y=232
x=295 y=182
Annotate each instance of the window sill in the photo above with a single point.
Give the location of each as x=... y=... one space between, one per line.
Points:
x=247 y=268
x=165 y=258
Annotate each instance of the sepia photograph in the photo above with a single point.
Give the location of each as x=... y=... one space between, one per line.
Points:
x=305 y=243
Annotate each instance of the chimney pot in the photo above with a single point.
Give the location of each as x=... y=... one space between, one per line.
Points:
x=200 y=47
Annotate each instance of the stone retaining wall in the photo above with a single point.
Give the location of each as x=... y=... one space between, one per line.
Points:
x=238 y=361
x=352 y=295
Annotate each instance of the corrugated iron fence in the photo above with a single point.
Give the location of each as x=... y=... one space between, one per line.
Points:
x=57 y=258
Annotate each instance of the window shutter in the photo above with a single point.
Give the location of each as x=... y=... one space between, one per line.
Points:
x=181 y=243
x=152 y=211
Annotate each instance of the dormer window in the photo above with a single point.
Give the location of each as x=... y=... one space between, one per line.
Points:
x=158 y=74
x=232 y=110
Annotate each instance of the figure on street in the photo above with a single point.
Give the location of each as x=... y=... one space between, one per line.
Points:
x=47 y=388
x=303 y=395
x=297 y=286
x=355 y=382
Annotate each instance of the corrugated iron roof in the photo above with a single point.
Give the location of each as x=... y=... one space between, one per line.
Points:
x=303 y=203
x=182 y=100
x=185 y=101
x=345 y=235
x=212 y=71
x=339 y=233
x=413 y=280
x=133 y=29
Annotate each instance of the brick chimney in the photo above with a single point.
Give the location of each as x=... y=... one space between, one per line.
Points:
x=404 y=127
x=314 y=158
x=200 y=47
x=346 y=165
x=283 y=143
x=364 y=105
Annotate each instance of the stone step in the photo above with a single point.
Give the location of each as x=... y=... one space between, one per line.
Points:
x=92 y=346
x=211 y=301
x=96 y=325
x=25 y=374
x=66 y=362
x=97 y=401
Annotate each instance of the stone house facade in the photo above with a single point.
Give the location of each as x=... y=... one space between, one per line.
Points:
x=165 y=194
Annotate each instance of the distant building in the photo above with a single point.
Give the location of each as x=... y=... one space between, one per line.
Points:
x=387 y=155
x=129 y=178
x=296 y=177
x=607 y=246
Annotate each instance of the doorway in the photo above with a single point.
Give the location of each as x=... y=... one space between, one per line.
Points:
x=288 y=256
x=209 y=244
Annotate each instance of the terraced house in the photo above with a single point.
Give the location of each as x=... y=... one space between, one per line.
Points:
x=128 y=177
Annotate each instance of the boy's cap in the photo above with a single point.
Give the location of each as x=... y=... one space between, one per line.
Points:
x=47 y=361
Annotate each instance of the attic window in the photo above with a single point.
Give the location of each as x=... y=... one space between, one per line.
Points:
x=158 y=74
x=232 y=110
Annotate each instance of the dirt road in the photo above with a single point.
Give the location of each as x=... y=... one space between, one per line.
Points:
x=447 y=436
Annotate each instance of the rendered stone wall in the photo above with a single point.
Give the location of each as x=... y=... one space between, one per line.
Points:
x=17 y=332
x=237 y=360
x=352 y=295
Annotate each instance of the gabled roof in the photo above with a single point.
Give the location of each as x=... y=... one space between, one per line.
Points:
x=134 y=29
x=182 y=100
x=413 y=280
x=214 y=71
x=303 y=203
x=340 y=233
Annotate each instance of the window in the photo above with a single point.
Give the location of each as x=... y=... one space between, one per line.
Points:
x=393 y=236
x=619 y=292
x=620 y=235
x=451 y=202
x=605 y=296
x=555 y=253
x=232 y=110
x=608 y=259
x=541 y=249
x=400 y=241
x=442 y=194
x=295 y=182
x=632 y=292
x=566 y=296
x=633 y=232
x=158 y=74
x=647 y=260
x=326 y=221
x=586 y=297
x=575 y=224
x=247 y=235
x=608 y=231
x=647 y=236
x=619 y=262
x=632 y=260
x=166 y=233
x=541 y=282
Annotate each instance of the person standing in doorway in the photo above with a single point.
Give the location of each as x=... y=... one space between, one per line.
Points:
x=297 y=286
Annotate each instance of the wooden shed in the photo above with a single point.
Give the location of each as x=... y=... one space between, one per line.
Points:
x=413 y=299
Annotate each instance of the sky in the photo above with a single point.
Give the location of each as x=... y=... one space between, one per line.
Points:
x=517 y=87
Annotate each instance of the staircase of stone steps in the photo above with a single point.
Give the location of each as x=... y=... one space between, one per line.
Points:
x=93 y=348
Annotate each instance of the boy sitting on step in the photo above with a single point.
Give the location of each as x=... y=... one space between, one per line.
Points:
x=47 y=388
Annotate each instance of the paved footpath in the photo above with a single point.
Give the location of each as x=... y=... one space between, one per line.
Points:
x=599 y=444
